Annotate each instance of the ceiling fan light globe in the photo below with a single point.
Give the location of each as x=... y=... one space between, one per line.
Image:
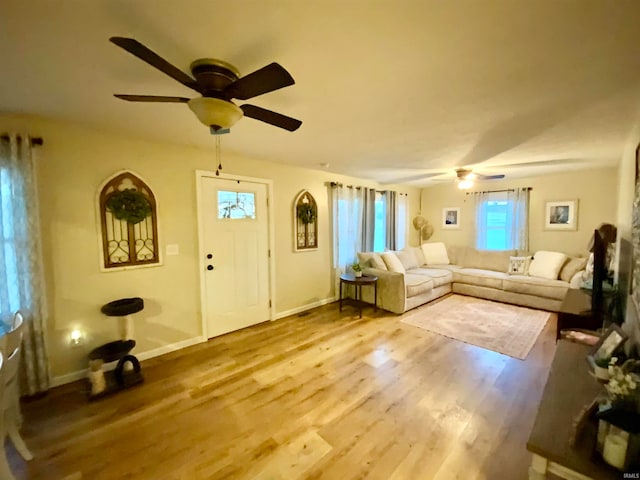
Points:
x=465 y=184
x=214 y=112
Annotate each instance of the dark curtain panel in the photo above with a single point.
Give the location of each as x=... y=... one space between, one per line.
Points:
x=392 y=223
x=368 y=218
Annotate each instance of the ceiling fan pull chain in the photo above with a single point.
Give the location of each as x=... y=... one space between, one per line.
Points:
x=218 y=156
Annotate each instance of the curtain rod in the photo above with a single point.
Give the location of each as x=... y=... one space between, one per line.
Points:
x=498 y=191
x=35 y=141
x=337 y=184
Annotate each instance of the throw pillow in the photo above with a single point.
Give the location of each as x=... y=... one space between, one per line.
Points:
x=547 y=264
x=407 y=258
x=435 y=253
x=392 y=262
x=371 y=259
x=519 y=265
x=573 y=266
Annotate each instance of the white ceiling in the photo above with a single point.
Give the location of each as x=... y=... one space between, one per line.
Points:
x=386 y=90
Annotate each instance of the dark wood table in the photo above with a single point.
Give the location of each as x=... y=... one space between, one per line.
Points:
x=367 y=280
x=569 y=389
x=575 y=312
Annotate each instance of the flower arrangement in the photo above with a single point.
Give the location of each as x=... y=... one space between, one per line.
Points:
x=624 y=382
x=357 y=269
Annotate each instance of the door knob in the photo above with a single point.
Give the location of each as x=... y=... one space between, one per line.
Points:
x=209 y=267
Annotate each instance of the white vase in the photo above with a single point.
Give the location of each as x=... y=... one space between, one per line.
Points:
x=357 y=274
x=602 y=373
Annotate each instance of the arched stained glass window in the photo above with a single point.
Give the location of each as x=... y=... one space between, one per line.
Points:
x=306 y=222
x=128 y=220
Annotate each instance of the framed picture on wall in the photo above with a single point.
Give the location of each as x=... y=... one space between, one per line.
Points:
x=561 y=215
x=451 y=217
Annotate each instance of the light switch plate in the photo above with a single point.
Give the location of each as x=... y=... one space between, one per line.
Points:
x=173 y=249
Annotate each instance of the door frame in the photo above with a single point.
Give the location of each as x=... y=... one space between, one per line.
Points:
x=200 y=175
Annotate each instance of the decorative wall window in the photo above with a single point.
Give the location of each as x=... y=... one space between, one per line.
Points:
x=236 y=205
x=305 y=213
x=129 y=222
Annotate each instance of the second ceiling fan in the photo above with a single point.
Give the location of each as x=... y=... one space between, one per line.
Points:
x=217 y=82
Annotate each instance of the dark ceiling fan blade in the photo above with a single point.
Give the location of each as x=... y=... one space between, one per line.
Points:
x=267 y=79
x=270 y=117
x=146 y=55
x=151 y=98
x=489 y=177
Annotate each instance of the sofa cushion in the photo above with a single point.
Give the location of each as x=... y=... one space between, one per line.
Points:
x=407 y=258
x=571 y=267
x=483 y=278
x=547 y=264
x=419 y=254
x=496 y=260
x=435 y=253
x=392 y=262
x=450 y=268
x=417 y=284
x=439 y=276
x=455 y=253
x=540 y=287
x=519 y=265
x=371 y=259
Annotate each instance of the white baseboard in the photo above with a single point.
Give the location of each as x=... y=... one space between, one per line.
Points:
x=156 y=352
x=303 y=308
x=77 y=375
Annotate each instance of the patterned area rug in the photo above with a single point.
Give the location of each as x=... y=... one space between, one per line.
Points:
x=503 y=328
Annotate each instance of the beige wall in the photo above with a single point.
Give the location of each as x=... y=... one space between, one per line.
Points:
x=626 y=184
x=596 y=191
x=76 y=160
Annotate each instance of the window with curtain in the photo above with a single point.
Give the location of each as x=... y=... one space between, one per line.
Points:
x=21 y=277
x=365 y=220
x=502 y=220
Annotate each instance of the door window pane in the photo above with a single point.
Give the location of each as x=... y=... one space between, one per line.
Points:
x=236 y=205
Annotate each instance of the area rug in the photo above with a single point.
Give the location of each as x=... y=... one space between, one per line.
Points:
x=503 y=328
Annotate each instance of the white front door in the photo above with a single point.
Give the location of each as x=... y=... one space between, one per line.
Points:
x=234 y=253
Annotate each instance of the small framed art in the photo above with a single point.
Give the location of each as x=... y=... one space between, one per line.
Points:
x=451 y=217
x=562 y=215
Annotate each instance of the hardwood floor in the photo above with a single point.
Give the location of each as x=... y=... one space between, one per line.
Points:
x=320 y=395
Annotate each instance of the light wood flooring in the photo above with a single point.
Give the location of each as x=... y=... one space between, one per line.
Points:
x=319 y=395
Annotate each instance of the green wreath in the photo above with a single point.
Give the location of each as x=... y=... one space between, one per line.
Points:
x=129 y=205
x=306 y=213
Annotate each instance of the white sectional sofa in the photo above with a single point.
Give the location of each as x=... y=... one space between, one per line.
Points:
x=417 y=275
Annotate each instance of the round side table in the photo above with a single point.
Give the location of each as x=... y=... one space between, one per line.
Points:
x=366 y=280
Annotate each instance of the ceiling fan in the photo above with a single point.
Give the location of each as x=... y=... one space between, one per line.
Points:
x=466 y=177
x=217 y=82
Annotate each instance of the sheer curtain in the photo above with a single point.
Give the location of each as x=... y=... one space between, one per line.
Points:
x=347 y=226
x=481 y=202
x=21 y=277
x=518 y=203
x=402 y=221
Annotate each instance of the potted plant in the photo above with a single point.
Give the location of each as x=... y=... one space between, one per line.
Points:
x=357 y=269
